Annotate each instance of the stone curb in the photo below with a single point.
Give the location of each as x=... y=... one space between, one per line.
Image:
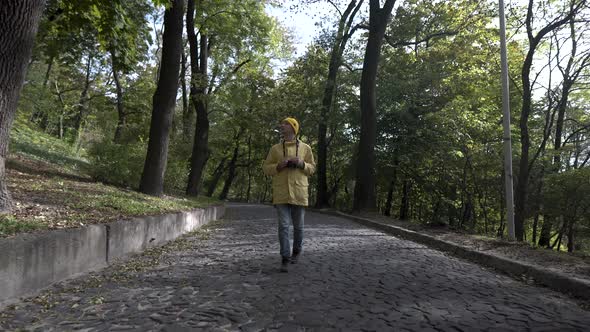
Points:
x=557 y=281
x=32 y=262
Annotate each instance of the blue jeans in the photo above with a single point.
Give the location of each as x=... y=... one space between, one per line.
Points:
x=290 y=214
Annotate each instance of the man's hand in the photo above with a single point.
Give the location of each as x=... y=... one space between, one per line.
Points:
x=282 y=165
x=299 y=162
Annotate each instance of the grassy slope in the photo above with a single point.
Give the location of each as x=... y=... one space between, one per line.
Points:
x=51 y=188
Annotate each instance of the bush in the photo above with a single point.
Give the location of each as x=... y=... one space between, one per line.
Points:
x=177 y=169
x=566 y=197
x=118 y=164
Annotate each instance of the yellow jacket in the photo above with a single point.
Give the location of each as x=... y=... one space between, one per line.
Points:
x=289 y=186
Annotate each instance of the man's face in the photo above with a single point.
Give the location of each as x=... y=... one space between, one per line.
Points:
x=286 y=129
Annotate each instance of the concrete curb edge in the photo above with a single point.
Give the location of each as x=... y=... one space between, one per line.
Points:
x=32 y=262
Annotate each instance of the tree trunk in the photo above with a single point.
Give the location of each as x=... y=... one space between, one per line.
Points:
x=467 y=217
x=40 y=116
x=249 y=189
x=389 y=201
x=535 y=227
x=561 y=108
x=231 y=175
x=216 y=177
x=334 y=191
x=342 y=36
x=20 y=20
x=546 y=226
x=164 y=101
x=48 y=72
x=83 y=101
x=451 y=205
x=231 y=168
x=570 y=236
x=187 y=114
x=122 y=121
x=557 y=241
x=364 y=190
x=545 y=236
x=405 y=204
x=200 y=153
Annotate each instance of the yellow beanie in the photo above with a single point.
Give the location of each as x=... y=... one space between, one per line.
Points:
x=293 y=124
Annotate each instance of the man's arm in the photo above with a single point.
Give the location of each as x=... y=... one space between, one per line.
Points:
x=309 y=163
x=269 y=166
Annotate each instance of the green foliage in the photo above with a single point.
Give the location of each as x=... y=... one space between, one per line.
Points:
x=119 y=27
x=567 y=195
x=438 y=103
x=118 y=164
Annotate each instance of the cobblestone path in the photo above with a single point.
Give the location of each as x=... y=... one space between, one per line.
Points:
x=348 y=278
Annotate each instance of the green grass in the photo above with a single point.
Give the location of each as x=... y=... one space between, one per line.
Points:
x=134 y=203
x=10 y=225
x=28 y=141
x=55 y=190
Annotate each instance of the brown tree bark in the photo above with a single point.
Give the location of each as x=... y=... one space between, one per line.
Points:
x=571 y=234
x=187 y=114
x=249 y=171
x=404 y=211
x=164 y=101
x=198 y=95
x=389 y=202
x=216 y=177
x=83 y=100
x=231 y=167
x=40 y=116
x=20 y=20
x=364 y=190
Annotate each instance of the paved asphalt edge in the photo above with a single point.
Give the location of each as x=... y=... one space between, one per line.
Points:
x=557 y=281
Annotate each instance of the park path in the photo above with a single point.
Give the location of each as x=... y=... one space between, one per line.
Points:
x=349 y=278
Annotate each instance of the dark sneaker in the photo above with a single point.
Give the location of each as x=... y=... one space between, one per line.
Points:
x=295 y=257
x=285 y=264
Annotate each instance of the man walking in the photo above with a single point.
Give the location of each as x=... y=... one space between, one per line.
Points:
x=290 y=163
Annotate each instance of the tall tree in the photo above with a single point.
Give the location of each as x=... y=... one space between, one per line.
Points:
x=343 y=34
x=84 y=29
x=577 y=62
x=232 y=166
x=164 y=101
x=525 y=164
x=364 y=190
x=126 y=46
x=20 y=20
x=199 y=55
x=230 y=35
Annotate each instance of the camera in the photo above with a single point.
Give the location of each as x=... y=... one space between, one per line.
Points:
x=291 y=164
